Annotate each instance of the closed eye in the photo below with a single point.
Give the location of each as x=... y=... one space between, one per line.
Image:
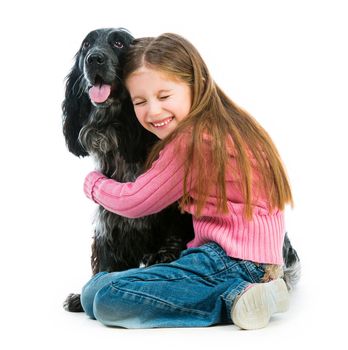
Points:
x=164 y=97
x=138 y=103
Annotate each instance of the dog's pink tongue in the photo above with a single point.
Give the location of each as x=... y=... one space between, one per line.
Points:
x=99 y=93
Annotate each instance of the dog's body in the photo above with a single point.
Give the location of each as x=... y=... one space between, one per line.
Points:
x=99 y=120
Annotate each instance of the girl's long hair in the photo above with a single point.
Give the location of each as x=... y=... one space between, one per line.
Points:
x=215 y=114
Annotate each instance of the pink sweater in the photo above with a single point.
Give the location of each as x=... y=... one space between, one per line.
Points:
x=259 y=239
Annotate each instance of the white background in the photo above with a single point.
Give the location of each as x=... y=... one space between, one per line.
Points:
x=283 y=61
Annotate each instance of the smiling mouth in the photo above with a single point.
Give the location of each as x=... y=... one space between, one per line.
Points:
x=162 y=123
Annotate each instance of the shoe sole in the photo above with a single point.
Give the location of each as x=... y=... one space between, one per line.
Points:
x=254 y=308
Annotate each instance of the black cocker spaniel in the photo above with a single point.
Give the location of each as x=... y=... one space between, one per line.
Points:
x=99 y=120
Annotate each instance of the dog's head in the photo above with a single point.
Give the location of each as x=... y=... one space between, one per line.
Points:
x=94 y=81
x=99 y=61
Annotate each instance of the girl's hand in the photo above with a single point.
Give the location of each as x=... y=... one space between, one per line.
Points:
x=91 y=179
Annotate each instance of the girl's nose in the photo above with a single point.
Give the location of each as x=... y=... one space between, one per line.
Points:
x=154 y=108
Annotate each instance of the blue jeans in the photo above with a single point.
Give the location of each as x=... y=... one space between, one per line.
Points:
x=197 y=290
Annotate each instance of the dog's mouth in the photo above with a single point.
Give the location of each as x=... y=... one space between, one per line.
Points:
x=101 y=92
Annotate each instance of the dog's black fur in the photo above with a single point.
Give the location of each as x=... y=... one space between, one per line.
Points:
x=110 y=132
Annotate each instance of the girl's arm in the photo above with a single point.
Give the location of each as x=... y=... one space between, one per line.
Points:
x=151 y=192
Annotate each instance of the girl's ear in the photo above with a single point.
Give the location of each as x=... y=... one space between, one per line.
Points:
x=76 y=109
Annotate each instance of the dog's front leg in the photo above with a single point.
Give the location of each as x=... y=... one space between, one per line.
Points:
x=168 y=252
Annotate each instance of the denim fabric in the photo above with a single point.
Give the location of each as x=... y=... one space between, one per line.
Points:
x=197 y=290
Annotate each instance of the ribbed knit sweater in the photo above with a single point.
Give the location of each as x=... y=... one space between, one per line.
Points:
x=259 y=239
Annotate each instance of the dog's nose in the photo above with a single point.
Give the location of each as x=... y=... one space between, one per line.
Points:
x=96 y=58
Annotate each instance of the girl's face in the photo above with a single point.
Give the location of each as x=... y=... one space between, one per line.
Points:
x=160 y=101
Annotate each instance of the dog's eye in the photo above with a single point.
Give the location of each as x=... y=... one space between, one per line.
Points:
x=118 y=44
x=86 y=45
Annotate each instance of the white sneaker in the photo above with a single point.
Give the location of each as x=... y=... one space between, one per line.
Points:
x=254 y=308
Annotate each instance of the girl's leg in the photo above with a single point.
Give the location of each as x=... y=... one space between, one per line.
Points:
x=196 y=290
x=97 y=282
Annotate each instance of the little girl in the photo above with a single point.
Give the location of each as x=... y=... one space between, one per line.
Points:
x=224 y=169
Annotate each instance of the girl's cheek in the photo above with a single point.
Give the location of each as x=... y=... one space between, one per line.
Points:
x=140 y=115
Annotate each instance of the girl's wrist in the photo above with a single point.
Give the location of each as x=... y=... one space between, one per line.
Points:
x=89 y=185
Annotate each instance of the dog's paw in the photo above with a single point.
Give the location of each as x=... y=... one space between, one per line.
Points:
x=162 y=256
x=73 y=303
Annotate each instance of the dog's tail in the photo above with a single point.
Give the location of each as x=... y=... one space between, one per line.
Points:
x=292 y=264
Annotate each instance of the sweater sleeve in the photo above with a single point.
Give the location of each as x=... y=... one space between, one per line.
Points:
x=151 y=192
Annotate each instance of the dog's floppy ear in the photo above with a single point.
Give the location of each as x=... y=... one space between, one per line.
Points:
x=76 y=108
